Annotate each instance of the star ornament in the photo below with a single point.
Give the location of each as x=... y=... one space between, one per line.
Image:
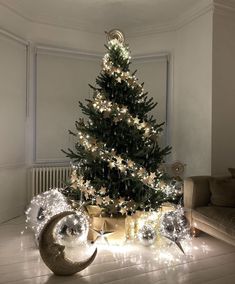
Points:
x=102 y=190
x=136 y=120
x=130 y=164
x=119 y=160
x=103 y=233
x=91 y=191
x=99 y=200
x=153 y=175
x=111 y=165
x=123 y=210
x=107 y=199
x=141 y=171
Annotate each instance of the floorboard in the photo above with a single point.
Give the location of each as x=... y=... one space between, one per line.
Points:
x=206 y=260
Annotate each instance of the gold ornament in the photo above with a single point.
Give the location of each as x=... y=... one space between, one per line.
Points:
x=177 y=168
x=115 y=34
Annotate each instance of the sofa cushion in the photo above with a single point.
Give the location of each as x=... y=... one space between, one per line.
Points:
x=232 y=172
x=222 y=191
x=221 y=218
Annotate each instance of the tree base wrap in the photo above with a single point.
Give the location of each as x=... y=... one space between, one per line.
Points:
x=123 y=228
x=113 y=230
x=94 y=210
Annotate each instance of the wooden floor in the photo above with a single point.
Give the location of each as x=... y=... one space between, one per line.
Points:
x=207 y=260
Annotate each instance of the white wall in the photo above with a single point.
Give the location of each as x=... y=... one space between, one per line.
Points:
x=223 y=100
x=193 y=96
x=12 y=127
x=190 y=92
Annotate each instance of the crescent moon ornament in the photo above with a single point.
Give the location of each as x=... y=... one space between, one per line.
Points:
x=53 y=253
x=115 y=34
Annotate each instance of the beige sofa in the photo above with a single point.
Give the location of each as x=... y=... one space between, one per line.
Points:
x=217 y=221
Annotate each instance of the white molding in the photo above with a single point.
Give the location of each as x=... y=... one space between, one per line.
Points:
x=193 y=14
x=161 y=56
x=11 y=212
x=13 y=37
x=224 y=9
x=199 y=9
x=66 y=52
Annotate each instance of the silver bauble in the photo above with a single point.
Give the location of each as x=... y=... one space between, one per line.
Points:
x=72 y=230
x=44 y=206
x=147 y=235
x=174 y=225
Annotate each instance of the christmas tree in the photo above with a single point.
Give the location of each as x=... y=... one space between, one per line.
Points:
x=117 y=153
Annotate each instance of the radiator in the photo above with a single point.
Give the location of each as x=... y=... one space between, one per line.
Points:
x=45 y=178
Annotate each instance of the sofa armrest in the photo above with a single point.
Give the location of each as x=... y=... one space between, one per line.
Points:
x=196 y=192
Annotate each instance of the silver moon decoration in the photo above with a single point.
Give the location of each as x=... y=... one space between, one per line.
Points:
x=115 y=34
x=53 y=254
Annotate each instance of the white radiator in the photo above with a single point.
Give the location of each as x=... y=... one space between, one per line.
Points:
x=45 y=177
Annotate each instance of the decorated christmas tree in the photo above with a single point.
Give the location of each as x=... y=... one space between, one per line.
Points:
x=117 y=153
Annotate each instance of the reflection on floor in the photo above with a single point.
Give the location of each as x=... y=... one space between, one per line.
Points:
x=207 y=260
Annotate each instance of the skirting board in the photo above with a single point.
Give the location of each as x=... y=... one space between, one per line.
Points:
x=11 y=213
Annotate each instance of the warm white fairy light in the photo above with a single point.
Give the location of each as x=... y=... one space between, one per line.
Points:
x=44 y=206
x=121 y=113
x=100 y=195
x=116 y=72
x=118 y=161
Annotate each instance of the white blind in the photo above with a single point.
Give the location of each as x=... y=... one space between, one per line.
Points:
x=153 y=72
x=62 y=81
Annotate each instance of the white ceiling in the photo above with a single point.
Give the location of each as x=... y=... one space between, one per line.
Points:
x=95 y=16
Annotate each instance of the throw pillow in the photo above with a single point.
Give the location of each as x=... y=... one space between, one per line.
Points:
x=222 y=192
x=232 y=172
